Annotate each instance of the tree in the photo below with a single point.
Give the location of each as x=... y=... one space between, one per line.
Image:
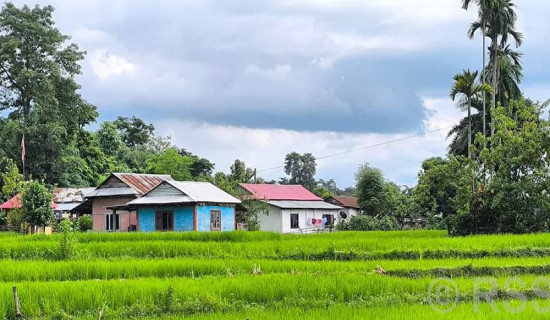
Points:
x=371 y=191
x=240 y=173
x=11 y=181
x=172 y=163
x=438 y=189
x=301 y=168
x=466 y=85
x=36 y=204
x=134 y=131
x=38 y=88
x=483 y=13
x=109 y=140
x=499 y=20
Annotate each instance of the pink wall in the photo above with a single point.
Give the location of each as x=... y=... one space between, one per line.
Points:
x=99 y=209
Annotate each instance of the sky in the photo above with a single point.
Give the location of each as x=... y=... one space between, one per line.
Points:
x=255 y=80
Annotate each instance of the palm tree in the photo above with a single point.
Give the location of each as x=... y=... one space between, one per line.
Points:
x=509 y=74
x=459 y=132
x=466 y=85
x=500 y=24
x=483 y=13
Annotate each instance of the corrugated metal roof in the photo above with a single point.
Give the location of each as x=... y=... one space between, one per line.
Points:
x=109 y=192
x=280 y=192
x=142 y=183
x=66 y=206
x=13 y=203
x=190 y=191
x=286 y=204
x=348 y=202
x=64 y=195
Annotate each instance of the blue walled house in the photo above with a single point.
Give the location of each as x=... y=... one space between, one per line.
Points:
x=185 y=206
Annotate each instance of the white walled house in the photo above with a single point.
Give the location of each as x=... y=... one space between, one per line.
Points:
x=293 y=209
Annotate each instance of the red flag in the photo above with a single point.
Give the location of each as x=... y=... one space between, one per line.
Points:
x=23 y=149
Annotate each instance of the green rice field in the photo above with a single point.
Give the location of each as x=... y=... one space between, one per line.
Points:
x=258 y=275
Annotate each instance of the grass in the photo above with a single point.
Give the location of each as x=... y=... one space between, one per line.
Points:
x=260 y=275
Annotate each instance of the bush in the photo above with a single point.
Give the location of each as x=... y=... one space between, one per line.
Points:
x=85 y=223
x=368 y=223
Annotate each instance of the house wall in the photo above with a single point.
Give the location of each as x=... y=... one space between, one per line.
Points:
x=272 y=221
x=203 y=217
x=279 y=219
x=183 y=218
x=99 y=210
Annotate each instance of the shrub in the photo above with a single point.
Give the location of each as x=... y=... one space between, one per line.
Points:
x=368 y=223
x=85 y=223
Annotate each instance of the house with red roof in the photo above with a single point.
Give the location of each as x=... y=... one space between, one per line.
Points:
x=292 y=208
x=350 y=207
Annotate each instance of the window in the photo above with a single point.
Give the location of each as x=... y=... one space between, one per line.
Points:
x=112 y=222
x=215 y=220
x=164 y=220
x=329 y=218
x=294 y=221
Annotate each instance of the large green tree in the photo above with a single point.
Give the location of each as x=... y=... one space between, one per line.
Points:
x=38 y=89
x=301 y=168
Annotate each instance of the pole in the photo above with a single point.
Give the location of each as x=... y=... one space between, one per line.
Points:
x=483 y=78
x=16 y=301
x=255 y=177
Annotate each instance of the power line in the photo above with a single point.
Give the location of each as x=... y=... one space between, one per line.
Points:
x=369 y=147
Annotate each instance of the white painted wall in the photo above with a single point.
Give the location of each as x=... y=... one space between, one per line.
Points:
x=271 y=222
x=279 y=219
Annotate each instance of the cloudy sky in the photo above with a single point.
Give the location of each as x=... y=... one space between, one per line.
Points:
x=255 y=80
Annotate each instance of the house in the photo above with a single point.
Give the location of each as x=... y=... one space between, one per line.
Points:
x=292 y=208
x=350 y=207
x=69 y=200
x=117 y=190
x=183 y=206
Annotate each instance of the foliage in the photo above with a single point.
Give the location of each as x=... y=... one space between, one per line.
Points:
x=134 y=131
x=368 y=223
x=254 y=208
x=37 y=204
x=38 y=89
x=68 y=238
x=11 y=180
x=504 y=189
x=172 y=163
x=301 y=168
x=84 y=223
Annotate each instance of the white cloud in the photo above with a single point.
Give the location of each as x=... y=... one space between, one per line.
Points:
x=266 y=148
x=106 y=64
x=277 y=71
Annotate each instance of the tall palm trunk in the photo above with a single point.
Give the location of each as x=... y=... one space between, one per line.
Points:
x=483 y=81
x=469 y=125
x=495 y=80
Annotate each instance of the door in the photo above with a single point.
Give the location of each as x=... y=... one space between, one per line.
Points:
x=164 y=220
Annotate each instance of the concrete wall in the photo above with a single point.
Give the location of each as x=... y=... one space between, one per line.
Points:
x=203 y=216
x=183 y=218
x=99 y=210
x=279 y=219
x=272 y=221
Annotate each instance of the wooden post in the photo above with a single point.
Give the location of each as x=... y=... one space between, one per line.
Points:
x=16 y=301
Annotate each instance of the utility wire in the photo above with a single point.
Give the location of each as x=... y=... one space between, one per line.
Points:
x=369 y=147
